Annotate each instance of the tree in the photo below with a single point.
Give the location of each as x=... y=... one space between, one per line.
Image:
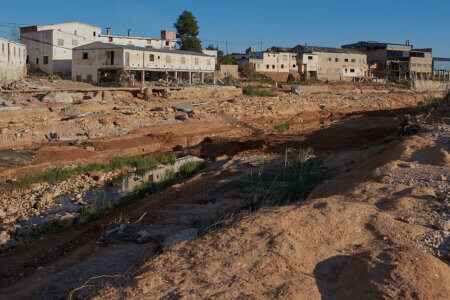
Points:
x=187 y=32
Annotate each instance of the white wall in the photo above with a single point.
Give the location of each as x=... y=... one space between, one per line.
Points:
x=12 y=60
x=138 y=41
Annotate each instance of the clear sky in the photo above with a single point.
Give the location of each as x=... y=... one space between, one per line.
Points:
x=244 y=23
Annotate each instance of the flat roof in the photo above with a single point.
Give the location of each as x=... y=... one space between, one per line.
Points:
x=325 y=49
x=107 y=46
x=131 y=37
x=61 y=24
x=9 y=41
x=373 y=43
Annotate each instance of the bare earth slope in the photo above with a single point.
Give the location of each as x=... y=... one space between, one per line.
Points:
x=362 y=235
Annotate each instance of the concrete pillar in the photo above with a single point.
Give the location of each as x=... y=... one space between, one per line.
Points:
x=190 y=77
x=143 y=76
x=203 y=77
x=214 y=78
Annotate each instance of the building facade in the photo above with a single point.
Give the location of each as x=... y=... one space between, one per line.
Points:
x=276 y=65
x=12 y=60
x=331 y=64
x=100 y=63
x=50 y=46
x=396 y=61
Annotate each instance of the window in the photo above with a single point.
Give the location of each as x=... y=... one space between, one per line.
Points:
x=14 y=51
x=167 y=43
x=152 y=57
x=75 y=32
x=183 y=60
x=60 y=42
x=273 y=66
x=196 y=61
x=89 y=78
x=78 y=78
x=45 y=62
x=310 y=58
x=110 y=39
x=28 y=59
x=293 y=66
x=168 y=59
x=336 y=59
x=94 y=33
x=282 y=66
x=345 y=70
x=352 y=70
x=109 y=58
x=85 y=55
x=346 y=60
x=267 y=67
x=37 y=60
x=353 y=60
x=3 y=48
x=329 y=58
x=74 y=43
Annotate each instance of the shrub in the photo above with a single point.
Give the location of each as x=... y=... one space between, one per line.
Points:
x=283 y=127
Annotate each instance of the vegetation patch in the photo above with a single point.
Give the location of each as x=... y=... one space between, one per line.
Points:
x=257 y=91
x=429 y=104
x=283 y=127
x=60 y=174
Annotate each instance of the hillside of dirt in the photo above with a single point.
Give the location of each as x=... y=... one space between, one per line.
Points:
x=339 y=192
x=377 y=231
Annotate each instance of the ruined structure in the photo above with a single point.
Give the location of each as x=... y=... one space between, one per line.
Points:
x=12 y=60
x=100 y=62
x=331 y=64
x=276 y=65
x=50 y=46
x=396 y=61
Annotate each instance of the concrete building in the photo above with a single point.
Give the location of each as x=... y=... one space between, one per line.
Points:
x=50 y=46
x=331 y=64
x=276 y=65
x=100 y=63
x=396 y=61
x=12 y=60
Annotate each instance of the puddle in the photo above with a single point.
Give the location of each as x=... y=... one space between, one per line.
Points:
x=112 y=191
x=13 y=158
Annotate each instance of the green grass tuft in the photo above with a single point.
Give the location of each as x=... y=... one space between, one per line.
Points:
x=283 y=127
x=257 y=91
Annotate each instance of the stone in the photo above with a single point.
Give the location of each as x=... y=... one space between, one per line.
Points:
x=2 y=214
x=57 y=98
x=97 y=176
x=53 y=136
x=142 y=237
x=6 y=103
x=180 y=236
x=148 y=95
x=4 y=238
x=70 y=111
x=77 y=96
x=184 y=107
x=67 y=220
x=4 y=108
x=442 y=224
x=442 y=178
x=181 y=117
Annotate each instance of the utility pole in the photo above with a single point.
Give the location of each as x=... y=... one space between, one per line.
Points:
x=261 y=46
x=226 y=43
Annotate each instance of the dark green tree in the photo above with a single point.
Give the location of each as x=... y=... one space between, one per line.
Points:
x=187 y=32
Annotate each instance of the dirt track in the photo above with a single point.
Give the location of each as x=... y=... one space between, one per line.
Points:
x=349 y=129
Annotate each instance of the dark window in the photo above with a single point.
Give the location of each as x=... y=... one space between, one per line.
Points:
x=282 y=66
x=37 y=60
x=152 y=57
x=352 y=70
x=89 y=78
x=45 y=60
x=336 y=59
x=167 y=43
x=293 y=66
x=85 y=55
x=28 y=59
x=310 y=57
x=94 y=33
x=110 y=39
x=268 y=67
x=353 y=60
x=346 y=60
x=110 y=57
x=273 y=66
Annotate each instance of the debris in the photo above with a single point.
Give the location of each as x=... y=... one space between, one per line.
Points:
x=184 y=107
x=70 y=111
x=57 y=98
x=181 y=117
x=126 y=107
x=53 y=136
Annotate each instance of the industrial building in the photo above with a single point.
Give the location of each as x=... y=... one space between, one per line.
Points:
x=100 y=63
x=50 y=46
x=12 y=60
x=396 y=61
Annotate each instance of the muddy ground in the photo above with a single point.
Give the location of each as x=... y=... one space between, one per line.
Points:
x=350 y=220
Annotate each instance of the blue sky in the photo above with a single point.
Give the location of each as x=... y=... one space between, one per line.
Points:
x=243 y=23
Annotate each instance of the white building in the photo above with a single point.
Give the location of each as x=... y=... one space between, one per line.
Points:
x=12 y=60
x=100 y=62
x=50 y=46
